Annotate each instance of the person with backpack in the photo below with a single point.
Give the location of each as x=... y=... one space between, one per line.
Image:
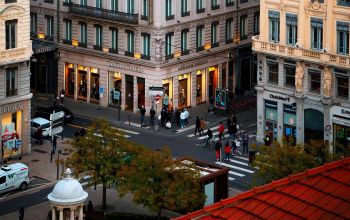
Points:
x=227 y=150
x=221 y=130
x=218 y=147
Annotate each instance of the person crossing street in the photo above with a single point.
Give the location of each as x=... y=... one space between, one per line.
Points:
x=198 y=125
x=245 y=143
x=143 y=112
x=221 y=130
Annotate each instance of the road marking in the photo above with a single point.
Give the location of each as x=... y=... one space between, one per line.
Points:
x=242 y=158
x=75 y=126
x=236 y=174
x=235 y=167
x=239 y=162
x=251 y=125
x=185 y=129
x=127 y=131
x=231 y=179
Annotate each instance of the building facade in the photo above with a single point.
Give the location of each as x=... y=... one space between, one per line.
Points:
x=303 y=71
x=15 y=53
x=188 y=47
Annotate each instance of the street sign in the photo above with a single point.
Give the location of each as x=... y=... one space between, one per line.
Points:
x=154 y=93
x=56 y=115
x=56 y=119
x=156 y=90
x=101 y=89
x=116 y=95
x=56 y=130
x=157 y=99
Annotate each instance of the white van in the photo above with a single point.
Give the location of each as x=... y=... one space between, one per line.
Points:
x=14 y=176
x=43 y=123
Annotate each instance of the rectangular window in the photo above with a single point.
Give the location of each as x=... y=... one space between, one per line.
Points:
x=98 y=37
x=342 y=38
x=99 y=4
x=273 y=72
x=199 y=6
x=274 y=26
x=289 y=71
x=256 y=23
x=49 y=27
x=130 y=6
x=214 y=34
x=292 y=29
x=243 y=27
x=33 y=24
x=169 y=45
x=230 y=3
x=316 y=33
x=68 y=31
x=199 y=38
x=184 y=39
x=184 y=8
x=11 y=81
x=315 y=80
x=83 y=2
x=169 y=10
x=145 y=46
x=83 y=34
x=9 y=2
x=11 y=34
x=144 y=15
x=342 y=86
x=215 y=4
x=114 y=5
x=48 y=1
x=345 y=3
x=130 y=43
x=113 y=32
x=228 y=31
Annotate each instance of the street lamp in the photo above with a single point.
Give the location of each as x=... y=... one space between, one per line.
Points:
x=75 y=43
x=41 y=35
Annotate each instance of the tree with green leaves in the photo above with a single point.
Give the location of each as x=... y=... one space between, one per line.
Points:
x=159 y=182
x=99 y=154
x=278 y=161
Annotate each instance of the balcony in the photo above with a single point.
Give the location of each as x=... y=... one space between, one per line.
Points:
x=300 y=53
x=103 y=14
x=15 y=55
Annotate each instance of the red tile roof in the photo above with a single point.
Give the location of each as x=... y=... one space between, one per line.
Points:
x=319 y=193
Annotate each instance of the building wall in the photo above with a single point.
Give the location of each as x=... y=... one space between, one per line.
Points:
x=327 y=63
x=15 y=101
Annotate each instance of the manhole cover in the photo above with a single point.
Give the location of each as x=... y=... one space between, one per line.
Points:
x=35 y=160
x=40 y=151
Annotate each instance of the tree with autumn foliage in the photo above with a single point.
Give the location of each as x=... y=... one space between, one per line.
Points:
x=99 y=154
x=159 y=182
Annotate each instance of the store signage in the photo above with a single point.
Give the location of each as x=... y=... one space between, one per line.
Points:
x=101 y=89
x=343 y=111
x=11 y=108
x=220 y=98
x=278 y=97
x=291 y=109
x=191 y=65
x=44 y=49
x=126 y=67
x=270 y=104
x=116 y=95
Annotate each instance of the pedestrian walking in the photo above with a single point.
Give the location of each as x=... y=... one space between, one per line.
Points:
x=143 y=112
x=245 y=143
x=39 y=135
x=202 y=126
x=177 y=117
x=21 y=213
x=54 y=144
x=182 y=119
x=221 y=130
x=62 y=93
x=218 y=147
x=234 y=131
x=55 y=99
x=234 y=148
x=198 y=125
x=152 y=113
x=230 y=131
x=187 y=114
x=90 y=206
x=227 y=150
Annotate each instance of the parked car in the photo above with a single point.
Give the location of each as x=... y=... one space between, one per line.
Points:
x=45 y=113
x=40 y=122
x=14 y=176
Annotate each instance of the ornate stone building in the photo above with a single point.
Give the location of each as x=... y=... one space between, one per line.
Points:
x=188 y=47
x=303 y=71
x=15 y=53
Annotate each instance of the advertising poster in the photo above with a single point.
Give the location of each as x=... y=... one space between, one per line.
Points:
x=220 y=99
x=11 y=144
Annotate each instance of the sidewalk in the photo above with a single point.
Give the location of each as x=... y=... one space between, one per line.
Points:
x=89 y=110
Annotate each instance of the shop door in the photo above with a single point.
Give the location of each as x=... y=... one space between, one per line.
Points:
x=82 y=80
x=271 y=127
x=182 y=93
x=116 y=86
x=129 y=93
x=95 y=88
x=212 y=85
x=70 y=82
x=290 y=131
x=140 y=91
x=199 y=89
x=313 y=125
x=341 y=138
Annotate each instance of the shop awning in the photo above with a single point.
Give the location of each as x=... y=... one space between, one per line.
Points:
x=42 y=46
x=341 y=121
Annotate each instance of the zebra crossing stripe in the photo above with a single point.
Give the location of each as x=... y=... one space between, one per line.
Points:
x=239 y=162
x=235 y=167
x=242 y=158
x=231 y=179
x=236 y=174
x=128 y=131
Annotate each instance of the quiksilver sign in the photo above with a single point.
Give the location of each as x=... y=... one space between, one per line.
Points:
x=286 y=99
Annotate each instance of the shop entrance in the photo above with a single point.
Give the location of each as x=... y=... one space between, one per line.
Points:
x=213 y=83
x=115 y=84
x=200 y=89
x=70 y=81
x=182 y=93
x=271 y=128
x=129 y=93
x=82 y=80
x=313 y=125
x=140 y=91
x=95 y=88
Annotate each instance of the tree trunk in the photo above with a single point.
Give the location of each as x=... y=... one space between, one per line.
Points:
x=104 y=199
x=159 y=214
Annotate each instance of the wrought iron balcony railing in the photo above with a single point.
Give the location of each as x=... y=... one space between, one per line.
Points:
x=103 y=13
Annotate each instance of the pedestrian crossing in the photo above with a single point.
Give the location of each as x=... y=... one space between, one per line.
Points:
x=239 y=167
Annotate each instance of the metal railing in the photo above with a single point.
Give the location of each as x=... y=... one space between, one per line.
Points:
x=103 y=13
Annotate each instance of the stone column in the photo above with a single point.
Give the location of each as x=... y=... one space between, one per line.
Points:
x=220 y=76
x=76 y=86
x=280 y=122
x=281 y=74
x=135 y=98
x=194 y=88
x=260 y=125
x=329 y=25
x=263 y=22
x=282 y=26
x=72 y=213
x=88 y=97
x=61 y=213
x=81 y=214
x=327 y=121
x=300 y=121
x=176 y=91
x=53 y=214
x=301 y=24
x=123 y=94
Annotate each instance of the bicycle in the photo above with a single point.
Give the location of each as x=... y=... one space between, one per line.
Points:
x=236 y=152
x=206 y=142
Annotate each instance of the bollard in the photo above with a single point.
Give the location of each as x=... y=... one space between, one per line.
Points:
x=129 y=118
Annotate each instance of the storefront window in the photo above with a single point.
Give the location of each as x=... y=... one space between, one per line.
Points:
x=70 y=80
x=82 y=80
x=213 y=83
x=200 y=88
x=271 y=118
x=115 y=84
x=11 y=125
x=341 y=138
x=94 y=86
x=289 y=121
x=129 y=92
x=140 y=91
x=184 y=93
